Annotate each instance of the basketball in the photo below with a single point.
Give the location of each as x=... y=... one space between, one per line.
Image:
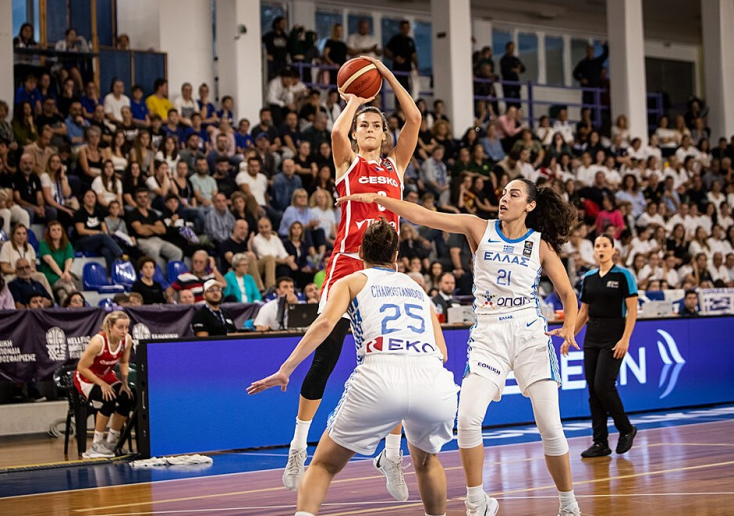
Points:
x=359 y=77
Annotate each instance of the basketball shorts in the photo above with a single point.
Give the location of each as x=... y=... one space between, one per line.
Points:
x=516 y=343
x=385 y=390
x=340 y=265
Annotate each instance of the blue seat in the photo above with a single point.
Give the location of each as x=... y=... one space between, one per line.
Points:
x=33 y=240
x=94 y=277
x=3 y=236
x=160 y=278
x=123 y=273
x=174 y=268
x=106 y=303
x=655 y=295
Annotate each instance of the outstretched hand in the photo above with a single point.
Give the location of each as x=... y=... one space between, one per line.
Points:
x=273 y=380
x=567 y=336
x=365 y=197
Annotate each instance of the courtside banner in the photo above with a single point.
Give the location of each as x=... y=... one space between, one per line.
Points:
x=194 y=400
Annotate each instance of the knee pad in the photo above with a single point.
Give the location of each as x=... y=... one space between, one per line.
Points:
x=469 y=425
x=107 y=408
x=555 y=446
x=124 y=404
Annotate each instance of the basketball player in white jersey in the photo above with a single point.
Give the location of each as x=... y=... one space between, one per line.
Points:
x=399 y=375
x=357 y=139
x=510 y=333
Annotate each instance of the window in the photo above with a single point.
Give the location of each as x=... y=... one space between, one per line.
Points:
x=499 y=39
x=268 y=13
x=528 y=53
x=424 y=46
x=353 y=20
x=390 y=27
x=325 y=20
x=26 y=11
x=598 y=49
x=578 y=52
x=554 y=74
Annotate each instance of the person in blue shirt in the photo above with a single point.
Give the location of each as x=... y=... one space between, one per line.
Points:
x=284 y=185
x=138 y=107
x=227 y=111
x=242 y=138
x=90 y=100
x=29 y=93
x=175 y=129
x=241 y=285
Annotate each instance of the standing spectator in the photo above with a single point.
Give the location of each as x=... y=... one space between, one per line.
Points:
x=276 y=47
x=115 y=100
x=24 y=287
x=92 y=232
x=511 y=68
x=241 y=285
x=158 y=103
x=401 y=50
x=212 y=319
x=219 y=221
x=335 y=51
x=147 y=227
x=588 y=72
x=145 y=285
x=203 y=269
x=57 y=256
x=270 y=252
x=28 y=192
x=362 y=43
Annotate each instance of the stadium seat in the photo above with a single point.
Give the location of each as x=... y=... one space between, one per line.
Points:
x=160 y=278
x=33 y=240
x=95 y=278
x=175 y=268
x=3 y=236
x=106 y=303
x=123 y=273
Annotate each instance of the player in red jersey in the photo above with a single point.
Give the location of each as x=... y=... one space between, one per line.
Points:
x=357 y=139
x=96 y=380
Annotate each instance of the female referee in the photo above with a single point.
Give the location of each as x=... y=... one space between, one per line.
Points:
x=510 y=333
x=96 y=380
x=363 y=171
x=609 y=304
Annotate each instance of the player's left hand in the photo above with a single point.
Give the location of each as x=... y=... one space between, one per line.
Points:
x=568 y=338
x=620 y=349
x=273 y=380
x=365 y=197
x=384 y=70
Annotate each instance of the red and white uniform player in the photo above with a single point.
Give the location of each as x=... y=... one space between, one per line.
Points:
x=103 y=365
x=361 y=177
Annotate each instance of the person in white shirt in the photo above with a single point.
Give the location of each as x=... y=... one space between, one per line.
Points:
x=687 y=149
x=270 y=252
x=651 y=216
x=563 y=126
x=668 y=272
x=653 y=148
x=586 y=172
x=332 y=107
x=717 y=268
x=251 y=181
x=730 y=267
x=363 y=43
x=115 y=101
x=283 y=94
x=186 y=105
x=642 y=244
x=273 y=315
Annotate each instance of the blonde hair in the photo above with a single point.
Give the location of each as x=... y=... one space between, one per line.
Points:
x=111 y=319
x=313 y=203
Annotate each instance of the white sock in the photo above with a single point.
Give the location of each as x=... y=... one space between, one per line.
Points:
x=300 y=436
x=98 y=437
x=392 y=447
x=475 y=495
x=113 y=436
x=303 y=513
x=568 y=499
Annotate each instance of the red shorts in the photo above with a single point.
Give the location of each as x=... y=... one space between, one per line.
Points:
x=340 y=265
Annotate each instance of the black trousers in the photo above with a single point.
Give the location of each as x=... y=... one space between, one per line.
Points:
x=601 y=370
x=324 y=360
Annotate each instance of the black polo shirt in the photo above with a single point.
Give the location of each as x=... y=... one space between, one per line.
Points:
x=606 y=294
x=137 y=216
x=220 y=322
x=27 y=187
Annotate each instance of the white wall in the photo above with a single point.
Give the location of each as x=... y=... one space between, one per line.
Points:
x=7 y=91
x=139 y=20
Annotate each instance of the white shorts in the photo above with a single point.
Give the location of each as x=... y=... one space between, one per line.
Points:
x=385 y=390
x=516 y=343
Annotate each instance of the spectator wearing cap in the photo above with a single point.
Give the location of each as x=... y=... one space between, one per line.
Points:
x=284 y=185
x=211 y=319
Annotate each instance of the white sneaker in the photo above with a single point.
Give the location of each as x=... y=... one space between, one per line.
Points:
x=98 y=451
x=488 y=507
x=294 y=469
x=570 y=511
x=393 y=472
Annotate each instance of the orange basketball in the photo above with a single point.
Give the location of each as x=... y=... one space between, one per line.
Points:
x=359 y=77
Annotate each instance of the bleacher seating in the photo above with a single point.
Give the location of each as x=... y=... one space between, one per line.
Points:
x=94 y=277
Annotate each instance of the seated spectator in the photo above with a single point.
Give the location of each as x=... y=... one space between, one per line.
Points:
x=252 y=182
x=324 y=180
x=118 y=153
x=28 y=192
x=461 y=259
x=311 y=293
x=181 y=225
x=290 y=135
x=169 y=151
x=106 y=185
x=241 y=286
x=306 y=166
x=298 y=211
x=145 y=285
x=185 y=105
x=24 y=126
x=148 y=228
x=445 y=298
x=34 y=301
x=270 y=159
x=74 y=300
x=117 y=228
x=301 y=266
x=609 y=216
x=159 y=184
x=205 y=187
x=135 y=299
x=227 y=111
x=50 y=117
x=242 y=138
x=174 y=128
x=77 y=125
x=413 y=246
x=72 y=42
x=219 y=221
x=57 y=257
x=226 y=185
x=689 y=307
x=182 y=187
x=322 y=210
x=245 y=208
x=273 y=315
x=143 y=152
x=212 y=319
x=158 y=103
x=239 y=243
x=220 y=150
x=129 y=127
x=57 y=190
x=138 y=107
x=6 y=298
x=186 y=297
x=317 y=133
x=284 y=185
x=115 y=100
x=195 y=146
x=23 y=288
x=203 y=268
x=132 y=179
x=91 y=157
x=90 y=100
x=92 y=233
x=435 y=177
x=15 y=248
x=270 y=252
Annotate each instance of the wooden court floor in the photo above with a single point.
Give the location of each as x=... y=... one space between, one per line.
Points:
x=674 y=471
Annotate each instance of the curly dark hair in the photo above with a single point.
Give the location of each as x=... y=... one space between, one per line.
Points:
x=553 y=217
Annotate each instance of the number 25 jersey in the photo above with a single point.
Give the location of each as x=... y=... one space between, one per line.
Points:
x=391 y=315
x=506 y=273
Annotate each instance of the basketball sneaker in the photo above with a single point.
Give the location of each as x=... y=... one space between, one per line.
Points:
x=570 y=511
x=112 y=447
x=294 y=468
x=98 y=451
x=488 y=507
x=393 y=472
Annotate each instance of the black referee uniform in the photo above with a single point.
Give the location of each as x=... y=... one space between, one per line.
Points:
x=605 y=297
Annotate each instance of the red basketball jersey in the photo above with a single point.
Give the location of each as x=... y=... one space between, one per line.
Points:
x=365 y=177
x=104 y=363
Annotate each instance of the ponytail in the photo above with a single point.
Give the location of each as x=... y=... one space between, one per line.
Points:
x=552 y=217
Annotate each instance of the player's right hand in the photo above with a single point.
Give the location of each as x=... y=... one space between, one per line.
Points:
x=273 y=380
x=107 y=392
x=365 y=197
x=361 y=101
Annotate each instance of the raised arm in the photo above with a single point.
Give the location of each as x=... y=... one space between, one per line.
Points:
x=341 y=145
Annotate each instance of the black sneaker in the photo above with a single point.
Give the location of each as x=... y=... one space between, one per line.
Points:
x=625 y=441
x=596 y=450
